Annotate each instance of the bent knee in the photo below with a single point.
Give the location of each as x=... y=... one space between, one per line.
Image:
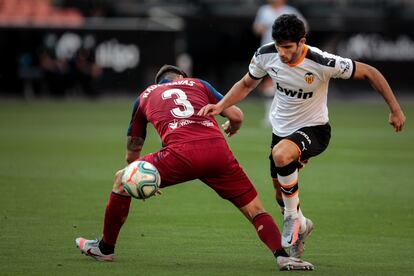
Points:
x=284 y=153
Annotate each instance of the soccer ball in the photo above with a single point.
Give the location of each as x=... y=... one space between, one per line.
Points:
x=141 y=179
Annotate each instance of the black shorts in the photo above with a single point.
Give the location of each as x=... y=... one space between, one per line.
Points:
x=311 y=141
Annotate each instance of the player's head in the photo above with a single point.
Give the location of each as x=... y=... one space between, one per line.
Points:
x=288 y=27
x=169 y=72
x=289 y=33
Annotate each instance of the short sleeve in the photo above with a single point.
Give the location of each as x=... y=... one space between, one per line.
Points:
x=256 y=71
x=343 y=68
x=333 y=66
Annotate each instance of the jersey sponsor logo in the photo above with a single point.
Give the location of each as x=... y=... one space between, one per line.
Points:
x=185 y=122
x=173 y=125
x=309 y=77
x=293 y=93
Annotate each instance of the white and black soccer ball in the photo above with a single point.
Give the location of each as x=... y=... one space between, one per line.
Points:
x=141 y=179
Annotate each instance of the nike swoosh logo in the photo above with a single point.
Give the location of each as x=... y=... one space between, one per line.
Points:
x=89 y=252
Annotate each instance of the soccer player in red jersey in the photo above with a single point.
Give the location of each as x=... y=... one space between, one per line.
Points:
x=193 y=148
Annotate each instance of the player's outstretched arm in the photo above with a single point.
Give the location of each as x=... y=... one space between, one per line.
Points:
x=237 y=93
x=380 y=84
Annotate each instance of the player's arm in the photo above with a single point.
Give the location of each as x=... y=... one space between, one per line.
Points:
x=133 y=148
x=235 y=119
x=237 y=93
x=137 y=132
x=379 y=83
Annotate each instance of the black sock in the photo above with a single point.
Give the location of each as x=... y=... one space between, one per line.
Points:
x=281 y=253
x=106 y=248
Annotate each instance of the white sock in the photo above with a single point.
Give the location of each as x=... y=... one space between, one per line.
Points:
x=291 y=201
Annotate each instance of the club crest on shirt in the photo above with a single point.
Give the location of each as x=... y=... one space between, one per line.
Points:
x=309 y=77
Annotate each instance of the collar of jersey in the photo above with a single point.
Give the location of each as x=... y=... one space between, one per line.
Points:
x=301 y=58
x=164 y=81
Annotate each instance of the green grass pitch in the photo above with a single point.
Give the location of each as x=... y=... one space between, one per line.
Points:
x=57 y=161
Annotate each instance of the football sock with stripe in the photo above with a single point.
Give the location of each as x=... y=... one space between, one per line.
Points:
x=288 y=179
x=116 y=214
x=268 y=232
x=289 y=186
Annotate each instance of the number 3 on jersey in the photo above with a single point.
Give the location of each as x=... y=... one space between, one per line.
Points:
x=181 y=100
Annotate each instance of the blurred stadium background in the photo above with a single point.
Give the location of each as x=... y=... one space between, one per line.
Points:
x=99 y=47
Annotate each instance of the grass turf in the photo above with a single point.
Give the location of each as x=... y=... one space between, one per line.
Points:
x=57 y=161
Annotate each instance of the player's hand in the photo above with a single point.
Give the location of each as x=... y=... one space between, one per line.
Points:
x=228 y=129
x=397 y=120
x=210 y=110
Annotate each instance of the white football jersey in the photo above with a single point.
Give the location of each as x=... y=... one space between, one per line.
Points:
x=301 y=88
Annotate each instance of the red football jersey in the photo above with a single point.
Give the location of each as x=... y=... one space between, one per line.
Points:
x=172 y=108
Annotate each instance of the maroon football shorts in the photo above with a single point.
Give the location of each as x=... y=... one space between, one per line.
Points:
x=211 y=161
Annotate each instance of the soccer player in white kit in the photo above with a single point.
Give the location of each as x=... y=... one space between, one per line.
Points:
x=299 y=113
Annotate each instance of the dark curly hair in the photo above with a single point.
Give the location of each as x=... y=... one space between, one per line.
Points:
x=288 y=27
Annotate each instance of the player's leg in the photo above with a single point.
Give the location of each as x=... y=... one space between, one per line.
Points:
x=265 y=226
x=284 y=154
x=276 y=186
x=269 y=234
x=117 y=208
x=297 y=249
x=309 y=142
x=116 y=213
x=232 y=183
